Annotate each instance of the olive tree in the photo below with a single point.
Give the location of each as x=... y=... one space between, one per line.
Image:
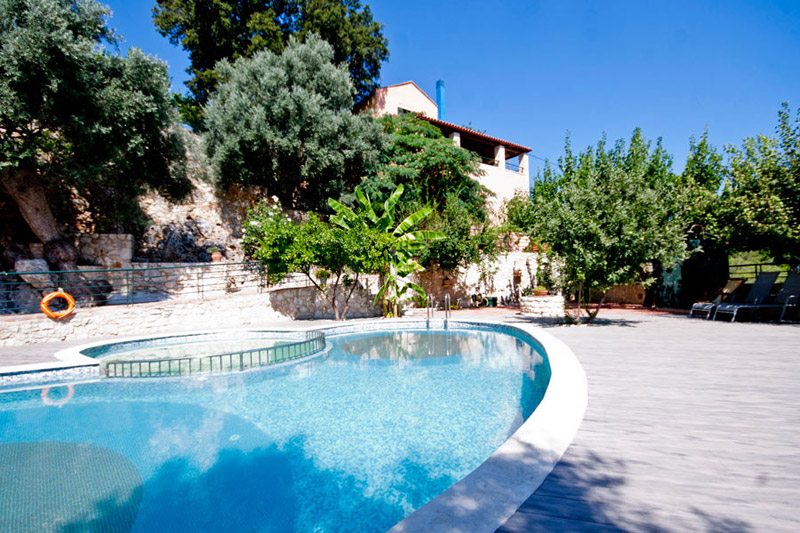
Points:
x=284 y=122
x=216 y=31
x=76 y=120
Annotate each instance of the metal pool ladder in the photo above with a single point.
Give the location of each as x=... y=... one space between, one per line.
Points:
x=446 y=309
x=428 y=311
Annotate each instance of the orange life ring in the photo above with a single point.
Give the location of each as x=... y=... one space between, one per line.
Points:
x=57 y=403
x=45 y=304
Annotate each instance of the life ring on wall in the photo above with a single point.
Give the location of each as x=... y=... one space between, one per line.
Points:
x=57 y=403
x=45 y=304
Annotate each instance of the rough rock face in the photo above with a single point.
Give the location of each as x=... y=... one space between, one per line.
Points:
x=206 y=219
x=25 y=267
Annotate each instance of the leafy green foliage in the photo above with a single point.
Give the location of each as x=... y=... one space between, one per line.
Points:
x=701 y=180
x=465 y=240
x=429 y=166
x=75 y=118
x=608 y=214
x=760 y=205
x=436 y=172
x=399 y=262
x=283 y=247
x=216 y=31
x=284 y=122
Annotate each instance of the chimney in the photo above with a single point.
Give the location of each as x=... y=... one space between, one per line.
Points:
x=440 y=100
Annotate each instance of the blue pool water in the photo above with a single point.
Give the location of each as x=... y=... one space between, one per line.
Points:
x=353 y=440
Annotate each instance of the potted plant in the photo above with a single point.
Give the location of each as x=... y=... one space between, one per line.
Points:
x=322 y=276
x=540 y=291
x=216 y=255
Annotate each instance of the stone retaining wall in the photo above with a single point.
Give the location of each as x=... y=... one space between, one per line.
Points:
x=496 y=278
x=547 y=307
x=626 y=294
x=308 y=303
x=108 y=249
x=249 y=309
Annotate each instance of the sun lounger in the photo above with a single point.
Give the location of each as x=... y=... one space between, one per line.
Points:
x=725 y=295
x=787 y=297
x=758 y=294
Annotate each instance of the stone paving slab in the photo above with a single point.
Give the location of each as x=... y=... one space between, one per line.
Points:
x=692 y=425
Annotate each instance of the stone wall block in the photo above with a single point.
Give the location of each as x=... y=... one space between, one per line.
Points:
x=25 y=268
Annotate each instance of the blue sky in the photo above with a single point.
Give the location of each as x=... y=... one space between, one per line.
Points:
x=530 y=71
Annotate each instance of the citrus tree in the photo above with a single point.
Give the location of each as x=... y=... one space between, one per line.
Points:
x=283 y=247
x=608 y=214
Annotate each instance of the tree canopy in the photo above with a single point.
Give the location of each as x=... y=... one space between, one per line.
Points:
x=213 y=31
x=701 y=180
x=434 y=172
x=607 y=214
x=283 y=247
x=284 y=122
x=759 y=208
x=406 y=242
x=75 y=119
x=429 y=166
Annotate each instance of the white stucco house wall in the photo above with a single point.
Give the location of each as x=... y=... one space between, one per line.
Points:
x=504 y=164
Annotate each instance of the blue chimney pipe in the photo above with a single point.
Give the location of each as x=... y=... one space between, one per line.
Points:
x=440 y=99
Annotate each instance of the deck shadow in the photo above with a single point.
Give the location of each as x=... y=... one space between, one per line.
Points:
x=550 y=323
x=584 y=494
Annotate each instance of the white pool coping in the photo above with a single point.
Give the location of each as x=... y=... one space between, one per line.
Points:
x=491 y=493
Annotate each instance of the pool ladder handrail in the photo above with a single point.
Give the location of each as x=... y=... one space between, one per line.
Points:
x=446 y=309
x=428 y=310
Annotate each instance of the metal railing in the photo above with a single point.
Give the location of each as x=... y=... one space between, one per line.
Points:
x=750 y=271
x=446 y=309
x=508 y=164
x=224 y=362
x=428 y=310
x=20 y=292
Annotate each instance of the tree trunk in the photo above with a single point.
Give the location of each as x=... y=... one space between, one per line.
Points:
x=31 y=198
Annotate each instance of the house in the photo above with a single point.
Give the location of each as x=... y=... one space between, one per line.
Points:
x=504 y=164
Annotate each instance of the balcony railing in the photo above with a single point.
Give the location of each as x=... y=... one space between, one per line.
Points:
x=509 y=164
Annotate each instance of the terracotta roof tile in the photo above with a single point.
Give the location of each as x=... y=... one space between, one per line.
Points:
x=473 y=133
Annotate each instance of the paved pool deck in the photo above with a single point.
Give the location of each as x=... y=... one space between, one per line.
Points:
x=691 y=425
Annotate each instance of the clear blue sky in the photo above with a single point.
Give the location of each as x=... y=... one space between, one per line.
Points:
x=529 y=71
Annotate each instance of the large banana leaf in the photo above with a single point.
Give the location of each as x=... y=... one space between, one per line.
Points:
x=366 y=205
x=412 y=220
x=344 y=217
x=422 y=235
x=414 y=287
x=388 y=205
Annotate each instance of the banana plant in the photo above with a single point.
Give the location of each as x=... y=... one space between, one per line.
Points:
x=401 y=262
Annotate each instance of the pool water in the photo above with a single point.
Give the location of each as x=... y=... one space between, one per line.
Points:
x=353 y=440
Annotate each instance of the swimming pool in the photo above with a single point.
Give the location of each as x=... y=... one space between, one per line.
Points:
x=355 y=439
